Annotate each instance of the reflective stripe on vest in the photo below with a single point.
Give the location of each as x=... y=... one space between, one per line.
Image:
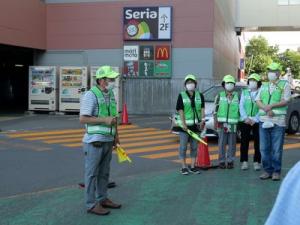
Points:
x=250 y=106
x=275 y=97
x=228 y=112
x=104 y=110
x=189 y=111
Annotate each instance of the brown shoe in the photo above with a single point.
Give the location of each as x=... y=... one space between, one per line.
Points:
x=98 y=210
x=107 y=203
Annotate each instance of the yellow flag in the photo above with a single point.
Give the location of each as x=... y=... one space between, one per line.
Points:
x=122 y=156
x=195 y=136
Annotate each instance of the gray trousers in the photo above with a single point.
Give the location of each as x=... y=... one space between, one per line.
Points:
x=97 y=166
x=226 y=138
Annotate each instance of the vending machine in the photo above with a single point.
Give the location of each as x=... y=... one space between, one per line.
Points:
x=73 y=85
x=117 y=88
x=43 y=83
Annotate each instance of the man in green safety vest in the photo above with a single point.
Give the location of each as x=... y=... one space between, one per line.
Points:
x=250 y=121
x=191 y=115
x=226 y=118
x=98 y=111
x=272 y=101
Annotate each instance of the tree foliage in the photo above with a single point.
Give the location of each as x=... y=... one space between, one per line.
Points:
x=259 y=54
x=291 y=59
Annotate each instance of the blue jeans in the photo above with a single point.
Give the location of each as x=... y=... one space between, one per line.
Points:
x=271 y=147
x=184 y=139
x=97 y=166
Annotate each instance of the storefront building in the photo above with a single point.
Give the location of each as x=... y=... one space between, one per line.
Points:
x=202 y=41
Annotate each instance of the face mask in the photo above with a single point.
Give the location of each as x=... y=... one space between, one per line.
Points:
x=190 y=87
x=110 y=85
x=252 y=84
x=229 y=86
x=272 y=76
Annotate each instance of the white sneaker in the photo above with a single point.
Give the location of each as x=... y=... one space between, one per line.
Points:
x=256 y=166
x=244 y=165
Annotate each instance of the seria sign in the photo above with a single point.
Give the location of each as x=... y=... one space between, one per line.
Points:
x=147 y=14
x=147 y=23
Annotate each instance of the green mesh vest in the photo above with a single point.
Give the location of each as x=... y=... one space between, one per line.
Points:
x=250 y=106
x=104 y=110
x=228 y=112
x=275 y=97
x=189 y=113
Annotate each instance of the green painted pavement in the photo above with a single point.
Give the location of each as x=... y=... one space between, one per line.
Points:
x=162 y=198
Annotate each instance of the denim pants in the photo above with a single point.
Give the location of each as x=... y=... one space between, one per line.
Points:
x=184 y=139
x=224 y=139
x=271 y=147
x=97 y=166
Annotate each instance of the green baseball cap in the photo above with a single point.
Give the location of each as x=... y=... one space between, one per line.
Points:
x=254 y=76
x=190 y=77
x=274 y=66
x=229 y=79
x=106 y=72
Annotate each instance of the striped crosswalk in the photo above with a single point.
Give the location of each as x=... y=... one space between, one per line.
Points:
x=148 y=143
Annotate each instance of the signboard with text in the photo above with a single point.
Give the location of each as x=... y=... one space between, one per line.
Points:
x=147 y=61
x=131 y=53
x=147 y=23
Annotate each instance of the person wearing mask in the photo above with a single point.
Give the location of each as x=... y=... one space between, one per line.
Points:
x=191 y=115
x=226 y=118
x=249 y=122
x=98 y=111
x=272 y=100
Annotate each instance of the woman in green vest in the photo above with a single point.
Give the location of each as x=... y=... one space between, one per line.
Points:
x=250 y=121
x=191 y=115
x=226 y=118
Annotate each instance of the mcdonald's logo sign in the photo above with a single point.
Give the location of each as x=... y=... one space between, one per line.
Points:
x=162 y=52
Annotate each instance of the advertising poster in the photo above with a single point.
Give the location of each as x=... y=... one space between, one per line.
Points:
x=146 y=52
x=163 y=68
x=147 y=23
x=162 y=52
x=131 y=68
x=146 y=69
x=131 y=52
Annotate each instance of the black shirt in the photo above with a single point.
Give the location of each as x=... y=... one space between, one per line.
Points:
x=180 y=106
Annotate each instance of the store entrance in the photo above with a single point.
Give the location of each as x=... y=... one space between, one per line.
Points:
x=14 y=64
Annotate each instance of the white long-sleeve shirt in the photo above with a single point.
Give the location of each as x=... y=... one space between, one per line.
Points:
x=243 y=113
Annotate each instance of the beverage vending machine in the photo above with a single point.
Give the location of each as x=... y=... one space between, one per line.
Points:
x=117 y=87
x=43 y=83
x=73 y=85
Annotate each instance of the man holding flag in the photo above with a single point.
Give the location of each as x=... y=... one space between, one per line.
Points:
x=98 y=112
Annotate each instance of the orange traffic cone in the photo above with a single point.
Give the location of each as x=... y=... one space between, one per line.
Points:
x=203 y=160
x=124 y=116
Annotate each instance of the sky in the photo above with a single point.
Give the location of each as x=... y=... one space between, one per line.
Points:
x=285 y=40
